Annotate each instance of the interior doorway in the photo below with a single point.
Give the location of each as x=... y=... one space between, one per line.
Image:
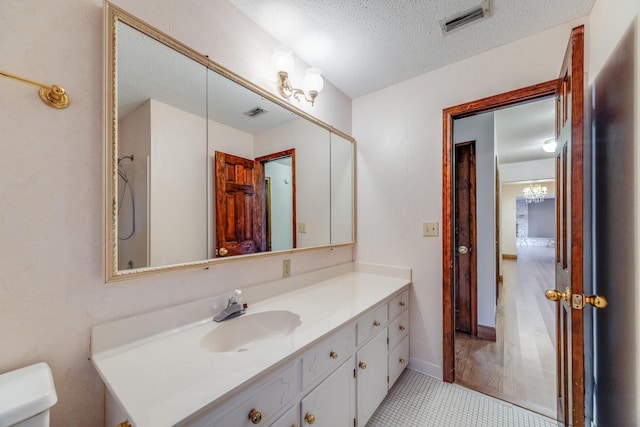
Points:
x=498 y=363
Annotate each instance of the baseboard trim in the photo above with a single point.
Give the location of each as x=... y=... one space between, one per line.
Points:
x=509 y=256
x=426 y=368
x=486 y=332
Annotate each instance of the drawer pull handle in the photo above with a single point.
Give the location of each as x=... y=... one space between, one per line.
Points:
x=401 y=360
x=402 y=328
x=376 y=323
x=310 y=418
x=402 y=303
x=255 y=416
x=333 y=355
x=362 y=365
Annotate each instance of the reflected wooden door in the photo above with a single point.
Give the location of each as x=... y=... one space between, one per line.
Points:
x=240 y=205
x=465 y=280
x=570 y=227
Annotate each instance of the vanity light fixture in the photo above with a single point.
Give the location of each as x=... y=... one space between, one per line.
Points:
x=312 y=83
x=549 y=145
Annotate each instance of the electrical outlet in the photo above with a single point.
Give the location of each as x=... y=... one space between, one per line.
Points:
x=302 y=227
x=286 y=268
x=430 y=229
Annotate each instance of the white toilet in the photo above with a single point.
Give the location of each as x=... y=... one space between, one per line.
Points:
x=26 y=395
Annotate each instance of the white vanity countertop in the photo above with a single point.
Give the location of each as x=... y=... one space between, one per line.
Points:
x=162 y=379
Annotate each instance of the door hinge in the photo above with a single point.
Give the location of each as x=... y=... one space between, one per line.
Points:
x=355 y=423
x=354 y=373
x=387 y=379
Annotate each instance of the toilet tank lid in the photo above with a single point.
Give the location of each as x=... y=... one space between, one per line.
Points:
x=26 y=392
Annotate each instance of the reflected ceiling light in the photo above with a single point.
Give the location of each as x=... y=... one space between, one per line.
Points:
x=534 y=193
x=549 y=146
x=312 y=83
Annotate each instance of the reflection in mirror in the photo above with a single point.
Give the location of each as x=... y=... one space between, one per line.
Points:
x=204 y=165
x=162 y=143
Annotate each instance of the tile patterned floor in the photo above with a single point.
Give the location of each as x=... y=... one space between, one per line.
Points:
x=422 y=401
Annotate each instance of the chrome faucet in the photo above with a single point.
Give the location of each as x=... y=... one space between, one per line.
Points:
x=235 y=307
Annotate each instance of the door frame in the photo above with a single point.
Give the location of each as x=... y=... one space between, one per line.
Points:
x=529 y=93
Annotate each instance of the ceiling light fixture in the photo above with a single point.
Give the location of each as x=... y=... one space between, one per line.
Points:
x=549 y=145
x=534 y=193
x=312 y=83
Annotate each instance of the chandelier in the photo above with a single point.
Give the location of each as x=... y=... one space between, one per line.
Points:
x=534 y=193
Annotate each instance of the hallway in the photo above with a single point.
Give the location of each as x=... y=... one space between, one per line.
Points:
x=520 y=367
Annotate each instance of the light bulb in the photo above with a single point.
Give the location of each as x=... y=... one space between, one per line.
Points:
x=313 y=81
x=282 y=60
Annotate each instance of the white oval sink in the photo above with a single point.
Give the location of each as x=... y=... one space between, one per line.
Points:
x=246 y=332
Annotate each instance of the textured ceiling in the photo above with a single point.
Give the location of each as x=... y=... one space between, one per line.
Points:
x=521 y=130
x=365 y=45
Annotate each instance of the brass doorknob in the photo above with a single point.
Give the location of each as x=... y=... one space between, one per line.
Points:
x=310 y=418
x=333 y=355
x=362 y=365
x=596 y=301
x=255 y=416
x=401 y=360
x=223 y=251
x=556 y=295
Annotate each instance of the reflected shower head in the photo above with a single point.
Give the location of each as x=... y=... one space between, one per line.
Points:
x=125 y=157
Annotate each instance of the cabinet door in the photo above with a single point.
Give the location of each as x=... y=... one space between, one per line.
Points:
x=288 y=419
x=372 y=376
x=332 y=402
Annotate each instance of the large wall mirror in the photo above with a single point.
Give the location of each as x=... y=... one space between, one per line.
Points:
x=204 y=167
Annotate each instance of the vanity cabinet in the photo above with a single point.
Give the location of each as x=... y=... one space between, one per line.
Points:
x=371 y=375
x=332 y=402
x=398 y=336
x=288 y=419
x=337 y=380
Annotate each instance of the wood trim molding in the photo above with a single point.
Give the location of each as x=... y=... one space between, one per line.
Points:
x=509 y=256
x=529 y=93
x=486 y=333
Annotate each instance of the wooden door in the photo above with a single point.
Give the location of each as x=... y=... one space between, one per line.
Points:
x=570 y=228
x=616 y=327
x=465 y=280
x=240 y=206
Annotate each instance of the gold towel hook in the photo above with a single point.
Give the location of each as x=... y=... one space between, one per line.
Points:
x=54 y=96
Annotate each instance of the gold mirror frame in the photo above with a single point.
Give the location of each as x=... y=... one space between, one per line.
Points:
x=113 y=15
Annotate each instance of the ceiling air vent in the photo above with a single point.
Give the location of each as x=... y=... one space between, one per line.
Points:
x=461 y=19
x=255 y=112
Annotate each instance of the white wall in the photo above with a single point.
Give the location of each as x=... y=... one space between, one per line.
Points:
x=399 y=133
x=51 y=167
x=480 y=128
x=177 y=207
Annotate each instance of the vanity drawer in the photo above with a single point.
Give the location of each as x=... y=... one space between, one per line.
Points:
x=372 y=323
x=327 y=354
x=398 y=305
x=398 y=360
x=265 y=400
x=398 y=329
